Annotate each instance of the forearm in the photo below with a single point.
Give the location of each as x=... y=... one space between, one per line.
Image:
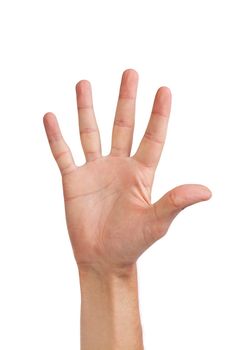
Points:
x=110 y=318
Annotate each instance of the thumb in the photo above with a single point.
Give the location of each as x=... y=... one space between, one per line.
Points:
x=180 y=197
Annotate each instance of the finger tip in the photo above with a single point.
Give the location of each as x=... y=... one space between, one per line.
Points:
x=48 y=116
x=49 y=121
x=82 y=85
x=194 y=192
x=205 y=193
x=165 y=89
x=131 y=72
x=208 y=194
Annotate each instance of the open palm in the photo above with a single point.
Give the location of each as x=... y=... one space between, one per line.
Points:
x=110 y=218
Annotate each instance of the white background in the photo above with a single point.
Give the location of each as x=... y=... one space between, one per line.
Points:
x=185 y=279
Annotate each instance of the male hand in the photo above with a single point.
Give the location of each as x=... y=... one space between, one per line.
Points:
x=110 y=218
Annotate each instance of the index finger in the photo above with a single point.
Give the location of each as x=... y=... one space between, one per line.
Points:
x=151 y=146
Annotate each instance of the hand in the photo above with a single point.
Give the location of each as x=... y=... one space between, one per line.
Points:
x=110 y=218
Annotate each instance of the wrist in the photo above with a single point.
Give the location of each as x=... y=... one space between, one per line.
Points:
x=107 y=272
x=109 y=308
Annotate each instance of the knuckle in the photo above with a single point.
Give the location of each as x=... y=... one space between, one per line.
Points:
x=173 y=200
x=88 y=131
x=123 y=123
x=152 y=137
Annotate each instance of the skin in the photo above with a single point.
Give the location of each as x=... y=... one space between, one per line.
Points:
x=110 y=218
